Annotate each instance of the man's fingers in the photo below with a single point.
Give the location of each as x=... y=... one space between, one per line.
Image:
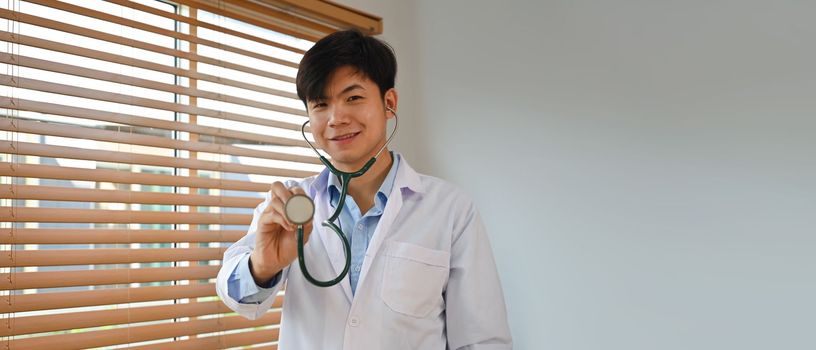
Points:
x=279 y=195
x=273 y=215
x=280 y=191
x=273 y=218
x=277 y=205
x=297 y=190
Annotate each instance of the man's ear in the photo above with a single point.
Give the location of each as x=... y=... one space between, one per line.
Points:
x=391 y=99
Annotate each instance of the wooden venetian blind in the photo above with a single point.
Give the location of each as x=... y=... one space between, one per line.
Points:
x=137 y=136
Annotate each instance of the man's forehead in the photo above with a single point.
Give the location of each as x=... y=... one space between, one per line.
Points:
x=344 y=81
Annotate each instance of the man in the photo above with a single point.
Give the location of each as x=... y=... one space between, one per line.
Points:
x=422 y=272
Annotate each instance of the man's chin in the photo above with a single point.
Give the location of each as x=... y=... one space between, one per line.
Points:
x=347 y=159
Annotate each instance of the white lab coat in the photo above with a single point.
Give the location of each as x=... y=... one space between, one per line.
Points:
x=428 y=279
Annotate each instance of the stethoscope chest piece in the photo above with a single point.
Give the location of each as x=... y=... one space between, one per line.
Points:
x=299 y=209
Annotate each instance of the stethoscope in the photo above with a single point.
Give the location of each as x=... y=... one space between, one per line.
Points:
x=299 y=209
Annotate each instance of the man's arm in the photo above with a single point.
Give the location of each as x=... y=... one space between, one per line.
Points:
x=475 y=308
x=243 y=288
x=235 y=283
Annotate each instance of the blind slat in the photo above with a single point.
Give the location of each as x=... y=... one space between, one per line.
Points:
x=288 y=17
x=330 y=12
x=218 y=8
x=41 y=150
x=134 y=334
x=56 y=193
x=43 y=215
x=108 y=296
x=62 y=130
x=153 y=29
x=113 y=236
x=95 y=34
x=56 y=279
x=87 y=319
x=129 y=119
x=202 y=24
x=218 y=342
x=118 y=176
x=31 y=62
x=266 y=347
x=23 y=39
x=57 y=257
x=69 y=90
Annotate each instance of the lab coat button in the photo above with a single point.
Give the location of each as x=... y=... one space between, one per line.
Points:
x=354 y=322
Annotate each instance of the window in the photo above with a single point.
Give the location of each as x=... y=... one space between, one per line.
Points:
x=137 y=137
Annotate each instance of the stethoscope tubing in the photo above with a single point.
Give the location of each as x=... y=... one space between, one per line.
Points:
x=345 y=178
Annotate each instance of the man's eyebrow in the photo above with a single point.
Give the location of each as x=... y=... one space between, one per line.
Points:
x=351 y=88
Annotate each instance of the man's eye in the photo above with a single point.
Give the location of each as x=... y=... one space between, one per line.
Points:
x=355 y=97
x=318 y=105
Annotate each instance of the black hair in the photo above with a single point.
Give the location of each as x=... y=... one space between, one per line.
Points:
x=367 y=55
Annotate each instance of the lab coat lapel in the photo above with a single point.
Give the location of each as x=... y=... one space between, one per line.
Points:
x=392 y=208
x=406 y=178
x=332 y=243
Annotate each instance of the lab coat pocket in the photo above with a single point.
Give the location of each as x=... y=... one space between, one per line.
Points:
x=414 y=278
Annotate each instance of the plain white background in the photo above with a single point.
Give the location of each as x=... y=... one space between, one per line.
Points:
x=646 y=169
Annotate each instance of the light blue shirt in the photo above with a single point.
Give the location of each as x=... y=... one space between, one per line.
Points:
x=361 y=227
x=358 y=228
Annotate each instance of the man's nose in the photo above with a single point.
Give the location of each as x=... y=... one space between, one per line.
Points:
x=338 y=116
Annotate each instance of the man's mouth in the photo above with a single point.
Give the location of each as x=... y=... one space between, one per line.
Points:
x=345 y=137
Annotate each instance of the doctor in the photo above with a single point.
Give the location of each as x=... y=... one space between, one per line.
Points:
x=422 y=271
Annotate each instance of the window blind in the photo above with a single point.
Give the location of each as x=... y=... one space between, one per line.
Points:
x=137 y=136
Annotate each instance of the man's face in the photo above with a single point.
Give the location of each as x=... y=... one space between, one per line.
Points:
x=349 y=121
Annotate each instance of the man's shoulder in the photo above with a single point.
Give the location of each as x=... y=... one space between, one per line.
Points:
x=430 y=182
x=444 y=190
x=446 y=199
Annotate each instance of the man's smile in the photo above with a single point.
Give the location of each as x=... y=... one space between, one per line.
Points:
x=344 y=138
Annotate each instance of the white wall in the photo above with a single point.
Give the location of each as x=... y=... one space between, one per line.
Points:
x=646 y=169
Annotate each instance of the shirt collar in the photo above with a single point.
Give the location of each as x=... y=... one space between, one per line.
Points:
x=380 y=199
x=406 y=178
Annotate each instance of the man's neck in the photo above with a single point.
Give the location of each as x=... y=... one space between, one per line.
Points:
x=363 y=188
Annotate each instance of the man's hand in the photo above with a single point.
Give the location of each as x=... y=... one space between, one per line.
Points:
x=276 y=239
